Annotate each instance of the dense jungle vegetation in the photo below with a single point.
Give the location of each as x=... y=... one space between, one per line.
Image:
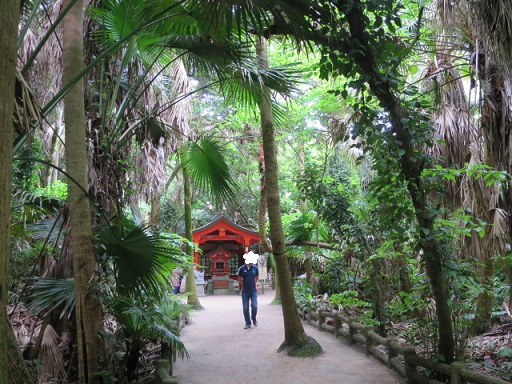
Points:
x=368 y=141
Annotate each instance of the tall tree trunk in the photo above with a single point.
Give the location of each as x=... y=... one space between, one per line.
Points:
x=403 y=273
x=192 y=298
x=18 y=371
x=88 y=309
x=294 y=334
x=485 y=300
x=411 y=169
x=262 y=221
x=9 y=16
x=376 y=292
x=496 y=122
x=154 y=217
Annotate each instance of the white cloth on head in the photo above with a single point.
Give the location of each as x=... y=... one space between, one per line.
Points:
x=251 y=258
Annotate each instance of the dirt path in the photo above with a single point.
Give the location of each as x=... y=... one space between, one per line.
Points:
x=222 y=352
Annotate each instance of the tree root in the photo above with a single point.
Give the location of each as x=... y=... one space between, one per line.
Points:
x=308 y=348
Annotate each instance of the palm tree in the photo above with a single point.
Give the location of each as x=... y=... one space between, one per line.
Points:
x=489 y=23
x=491 y=64
x=9 y=15
x=295 y=337
x=203 y=163
x=89 y=319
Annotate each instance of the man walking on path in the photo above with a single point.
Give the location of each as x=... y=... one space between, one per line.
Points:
x=248 y=279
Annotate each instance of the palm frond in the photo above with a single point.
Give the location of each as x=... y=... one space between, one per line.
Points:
x=306 y=226
x=261 y=17
x=50 y=355
x=142 y=261
x=245 y=83
x=49 y=294
x=205 y=163
x=493 y=20
x=45 y=229
x=140 y=325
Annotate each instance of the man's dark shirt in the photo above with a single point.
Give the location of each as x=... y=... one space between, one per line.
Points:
x=249 y=276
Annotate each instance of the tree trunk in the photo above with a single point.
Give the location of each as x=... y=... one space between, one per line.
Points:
x=376 y=292
x=18 y=372
x=262 y=220
x=403 y=273
x=9 y=16
x=309 y=269
x=154 y=217
x=411 y=169
x=192 y=298
x=485 y=301
x=88 y=309
x=294 y=334
x=495 y=124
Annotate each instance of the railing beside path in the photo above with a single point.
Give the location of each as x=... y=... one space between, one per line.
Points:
x=400 y=357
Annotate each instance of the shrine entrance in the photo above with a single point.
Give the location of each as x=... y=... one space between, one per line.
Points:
x=223 y=244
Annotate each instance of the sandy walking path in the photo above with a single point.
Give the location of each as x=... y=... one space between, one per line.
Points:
x=223 y=352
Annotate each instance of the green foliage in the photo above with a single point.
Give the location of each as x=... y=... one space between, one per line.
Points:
x=25 y=176
x=349 y=300
x=303 y=295
x=141 y=324
x=350 y=303
x=57 y=190
x=141 y=261
x=207 y=166
x=23 y=254
x=507 y=352
x=51 y=295
x=330 y=193
x=169 y=215
x=337 y=277
x=485 y=172
x=309 y=348
x=416 y=312
x=304 y=226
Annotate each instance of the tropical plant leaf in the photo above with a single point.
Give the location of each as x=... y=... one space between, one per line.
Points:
x=142 y=261
x=49 y=294
x=141 y=325
x=306 y=226
x=206 y=165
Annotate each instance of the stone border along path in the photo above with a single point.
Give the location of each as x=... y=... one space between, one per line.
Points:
x=222 y=352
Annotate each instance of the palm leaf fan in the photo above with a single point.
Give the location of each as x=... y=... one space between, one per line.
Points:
x=306 y=226
x=141 y=325
x=206 y=165
x=49 y=294
x=142 y=261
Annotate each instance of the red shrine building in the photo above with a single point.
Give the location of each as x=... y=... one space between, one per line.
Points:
x=223 y=244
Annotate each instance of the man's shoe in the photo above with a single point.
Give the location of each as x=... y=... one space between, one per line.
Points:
x=255 y=323
x=247 y=326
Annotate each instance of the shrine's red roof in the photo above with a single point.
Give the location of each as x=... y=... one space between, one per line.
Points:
x=223 y=228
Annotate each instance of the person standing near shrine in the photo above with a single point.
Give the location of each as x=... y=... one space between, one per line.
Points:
x=248 y=280
x=176 y=280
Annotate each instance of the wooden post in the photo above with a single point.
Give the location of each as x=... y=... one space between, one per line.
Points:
x=410 y=367
x=369 y=341
x=161 y=373
x=310 y=311
x=455 y=370
x=321 y=318
x=337 y=325
x=392 y=352
x=351 y=332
